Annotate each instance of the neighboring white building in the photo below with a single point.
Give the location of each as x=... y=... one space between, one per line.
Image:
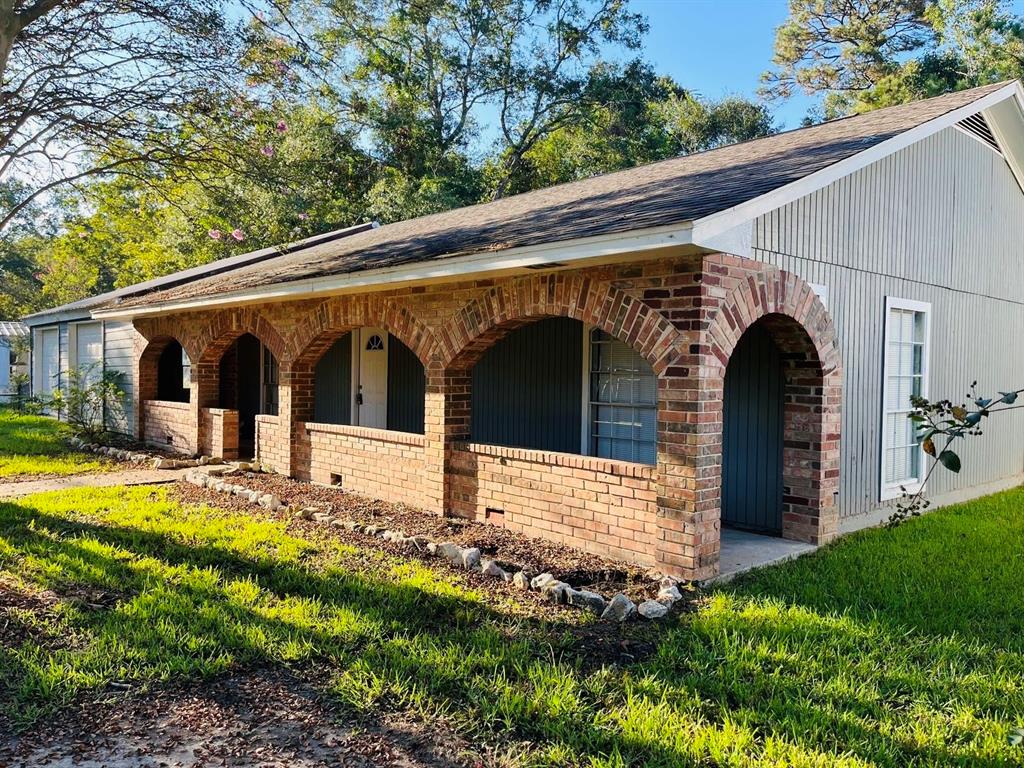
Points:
x=11 y=362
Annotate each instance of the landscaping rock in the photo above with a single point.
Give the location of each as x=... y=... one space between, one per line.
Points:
x=589 y=600
x=652 y=609
x=556 y=591
x=371 y=530
x=164 y=463
x=619 y=608
x=350 y=525
x=432 y=548
x=491 y=568
x=321 y=517
x=669 y=595
x=450 y=552
x=470 y=558
x=418 y=543
x=538 y=582
x=521 y=580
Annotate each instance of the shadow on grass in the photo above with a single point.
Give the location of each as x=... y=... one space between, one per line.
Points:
x=744 y=681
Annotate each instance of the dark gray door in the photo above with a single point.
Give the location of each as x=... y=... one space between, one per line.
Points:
x=752 y=435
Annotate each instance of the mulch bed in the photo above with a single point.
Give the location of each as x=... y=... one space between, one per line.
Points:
x=514 y=551
x=269 y=717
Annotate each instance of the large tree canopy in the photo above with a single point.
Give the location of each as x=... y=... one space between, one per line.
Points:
x=864 y=54
x=187 y=134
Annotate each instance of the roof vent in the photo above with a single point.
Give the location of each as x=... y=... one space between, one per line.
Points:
x=977 y=126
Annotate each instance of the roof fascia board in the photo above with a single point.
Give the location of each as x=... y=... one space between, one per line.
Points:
x=1006 y=119
x=35 y=321
x=579 y=251
x=713 y=225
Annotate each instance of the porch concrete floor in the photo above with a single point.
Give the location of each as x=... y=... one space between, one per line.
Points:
x=743 y=551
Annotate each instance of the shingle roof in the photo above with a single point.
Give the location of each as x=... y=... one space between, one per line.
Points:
x=672 y=191
x=219 y=267
x=10 y=329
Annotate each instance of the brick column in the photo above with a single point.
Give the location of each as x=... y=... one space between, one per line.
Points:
x=296 y=401
x=689 y=458
x=445 y=421
x=205 y=394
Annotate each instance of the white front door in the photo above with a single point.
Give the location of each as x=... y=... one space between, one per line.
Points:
x=372 y=380
x=49 y=362
x=89 y=351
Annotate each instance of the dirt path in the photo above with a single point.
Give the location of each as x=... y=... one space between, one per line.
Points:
x=270 y=718
x=95 y=480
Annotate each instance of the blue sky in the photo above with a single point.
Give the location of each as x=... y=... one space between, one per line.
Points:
x=717 y=47
x=721 y=47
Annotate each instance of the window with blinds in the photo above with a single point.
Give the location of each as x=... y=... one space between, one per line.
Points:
x=906 y=375
x=623 y=401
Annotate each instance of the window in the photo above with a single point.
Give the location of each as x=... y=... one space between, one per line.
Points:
x=271 y=379
x=906 y=374
x=623 y=401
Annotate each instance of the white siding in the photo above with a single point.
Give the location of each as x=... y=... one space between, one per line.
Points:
x=939 y=222
x=118 y=343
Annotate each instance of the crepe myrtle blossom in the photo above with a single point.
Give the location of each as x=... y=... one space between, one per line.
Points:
x=303 y=216
x=282 y=126
x=215 y=234
x=267 y=151
x=238 y=234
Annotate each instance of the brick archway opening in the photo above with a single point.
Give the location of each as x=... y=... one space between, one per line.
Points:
x=236 y=382
x=773 y=325
x=163 y=394
x=775 y=476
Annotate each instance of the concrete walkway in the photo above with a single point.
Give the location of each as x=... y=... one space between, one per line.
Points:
x=743 y=551
x=96 y=480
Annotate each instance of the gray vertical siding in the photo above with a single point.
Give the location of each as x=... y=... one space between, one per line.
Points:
x=752 y=435
x=333 y=384
x=527 y=389
x=118 y=354
x=941 y=222
x=407 y=388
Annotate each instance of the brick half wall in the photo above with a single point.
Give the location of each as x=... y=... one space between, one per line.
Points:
x=380 y=463
x=601 y=506
x=169 y=425
x=220 y=426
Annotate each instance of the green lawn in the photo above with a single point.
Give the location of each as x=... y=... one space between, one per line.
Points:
x=895 y=648
x=34 y=445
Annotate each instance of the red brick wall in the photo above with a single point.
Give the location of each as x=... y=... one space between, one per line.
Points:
x=221 y=427
x=683 y=313
x=602 y=506
x=169 y=425
x=373 y=462
x=272 y=445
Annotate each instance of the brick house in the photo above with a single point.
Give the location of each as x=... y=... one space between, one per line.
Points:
x=628 y=363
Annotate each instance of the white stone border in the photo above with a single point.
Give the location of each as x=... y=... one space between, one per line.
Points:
x=619 y=608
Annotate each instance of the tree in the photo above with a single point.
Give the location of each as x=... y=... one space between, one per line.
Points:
x=423 y=78
x=93 y=88
x=865 y=54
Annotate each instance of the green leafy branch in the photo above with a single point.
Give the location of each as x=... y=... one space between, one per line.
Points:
x=939 y=424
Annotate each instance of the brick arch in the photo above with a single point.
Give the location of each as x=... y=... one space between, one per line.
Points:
x=157 y=332
x=215 y=336
x=801 y=328
x=488 y=318
x=774 y=292
x=148 y=361
x=333 y=317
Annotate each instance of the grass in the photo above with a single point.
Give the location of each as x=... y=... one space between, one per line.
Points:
x=34 y=445
x=891 y=648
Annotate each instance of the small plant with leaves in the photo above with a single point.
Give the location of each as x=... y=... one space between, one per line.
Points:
x=90 y=402
x=939 y=425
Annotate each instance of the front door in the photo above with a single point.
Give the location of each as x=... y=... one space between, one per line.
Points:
x=371 y=406
x=752 y=436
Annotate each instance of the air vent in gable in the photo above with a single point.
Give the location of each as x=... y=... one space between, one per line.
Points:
x=977 y=126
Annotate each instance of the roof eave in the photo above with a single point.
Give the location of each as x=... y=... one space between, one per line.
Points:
x=579 y=252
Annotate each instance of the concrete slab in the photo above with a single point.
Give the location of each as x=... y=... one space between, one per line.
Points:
x=100 y=480
x=743 y=551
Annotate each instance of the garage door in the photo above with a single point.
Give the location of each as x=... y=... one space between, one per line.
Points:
x=89 y=350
